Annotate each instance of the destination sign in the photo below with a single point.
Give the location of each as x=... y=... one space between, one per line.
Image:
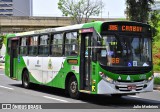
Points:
x=124 y=28
x=130 y=27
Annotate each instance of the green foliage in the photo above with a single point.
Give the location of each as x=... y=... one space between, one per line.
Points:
x=157 y=80
x=80 y=9
x=138 y=10
x=156 y=55
x=155 y=23
x=3 y=40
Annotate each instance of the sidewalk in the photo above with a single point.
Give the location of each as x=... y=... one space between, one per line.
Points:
x=156 y=87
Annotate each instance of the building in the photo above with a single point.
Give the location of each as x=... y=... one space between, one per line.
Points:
x=16 y=8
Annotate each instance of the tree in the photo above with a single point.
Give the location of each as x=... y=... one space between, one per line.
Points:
x=80 y=9
x=155 y=23
x=138 y=10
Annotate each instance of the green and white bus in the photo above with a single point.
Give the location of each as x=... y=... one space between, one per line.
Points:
x=113 y=57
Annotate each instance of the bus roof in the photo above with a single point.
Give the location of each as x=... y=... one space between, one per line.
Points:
x=95 y=24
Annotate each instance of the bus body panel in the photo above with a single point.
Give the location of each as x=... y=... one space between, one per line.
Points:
x=52 y=71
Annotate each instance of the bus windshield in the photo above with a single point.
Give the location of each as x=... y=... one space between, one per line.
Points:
x=125 y=51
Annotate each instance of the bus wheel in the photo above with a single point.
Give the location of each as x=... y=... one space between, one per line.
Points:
x=25 y=79
x=73 y=88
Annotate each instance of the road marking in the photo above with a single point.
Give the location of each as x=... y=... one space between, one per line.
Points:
x=6 y=87
x=55 y=99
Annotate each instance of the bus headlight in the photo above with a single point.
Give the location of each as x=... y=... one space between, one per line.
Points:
x=150 y=78
x=104 y=77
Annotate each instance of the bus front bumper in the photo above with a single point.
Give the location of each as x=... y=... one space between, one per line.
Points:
x=124 y=88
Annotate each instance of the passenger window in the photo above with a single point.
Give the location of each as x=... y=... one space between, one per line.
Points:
x=56 y=45
x=32 y=48
x=71 y=44
x=23 y=46
x=44 y=45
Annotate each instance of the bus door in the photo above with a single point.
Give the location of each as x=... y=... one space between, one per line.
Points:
x=85 y=59
x=13 y=57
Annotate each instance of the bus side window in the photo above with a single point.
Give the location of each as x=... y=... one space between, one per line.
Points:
x=71 y=44
x=32 y=48
x=44 y=45
x=56 y=44
x=23 y=46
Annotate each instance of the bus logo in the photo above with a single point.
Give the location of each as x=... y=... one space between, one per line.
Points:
x=119 y=78
x=128 y=77
x=50 y=64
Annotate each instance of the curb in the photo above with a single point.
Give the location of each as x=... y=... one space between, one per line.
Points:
x=156 y=87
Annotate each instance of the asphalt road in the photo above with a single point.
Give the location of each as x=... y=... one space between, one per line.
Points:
x=11 y=92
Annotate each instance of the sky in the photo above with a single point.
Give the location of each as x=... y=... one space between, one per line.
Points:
x=49 y=8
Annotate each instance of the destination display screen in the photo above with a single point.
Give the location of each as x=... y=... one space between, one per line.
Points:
x=125 y=27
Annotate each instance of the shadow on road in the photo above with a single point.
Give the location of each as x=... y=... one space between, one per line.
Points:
x=102 y=100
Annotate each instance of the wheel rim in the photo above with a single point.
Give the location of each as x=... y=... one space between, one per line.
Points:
x=73 y=87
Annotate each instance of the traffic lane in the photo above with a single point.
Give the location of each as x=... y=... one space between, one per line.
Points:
x=50 y=94
x=53 y=95
x=150 y=98
x=91 y=101
x=11 y=91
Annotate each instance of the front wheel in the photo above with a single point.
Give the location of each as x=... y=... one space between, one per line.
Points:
x=25 y=80
x=73 y=88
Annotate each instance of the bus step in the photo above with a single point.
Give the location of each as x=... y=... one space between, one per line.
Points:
x=14 y=78
x=85 y=91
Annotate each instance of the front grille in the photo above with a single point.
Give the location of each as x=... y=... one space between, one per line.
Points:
x=124 y=87
x=130 y=80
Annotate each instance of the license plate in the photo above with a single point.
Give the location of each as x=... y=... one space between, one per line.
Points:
x=131 y=87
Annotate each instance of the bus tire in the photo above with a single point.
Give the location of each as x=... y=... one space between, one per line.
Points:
x=25 y=80
x=73 y=88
